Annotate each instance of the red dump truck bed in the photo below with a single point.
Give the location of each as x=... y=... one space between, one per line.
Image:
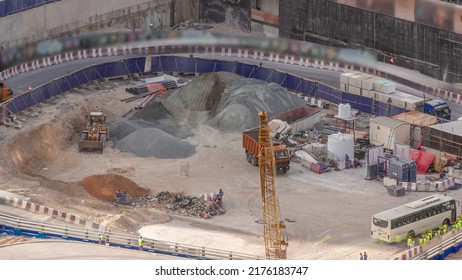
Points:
x=250 y=144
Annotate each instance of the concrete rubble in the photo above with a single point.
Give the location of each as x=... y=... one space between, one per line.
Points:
x=180 y=204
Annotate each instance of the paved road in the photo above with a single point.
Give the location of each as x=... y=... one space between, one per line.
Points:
x=38 y=77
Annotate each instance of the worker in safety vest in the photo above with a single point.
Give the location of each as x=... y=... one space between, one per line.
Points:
x=445 y=229
x=102 y=240
x=421 y=239
x=409 y=239
x=140 y=243
x=412 y=243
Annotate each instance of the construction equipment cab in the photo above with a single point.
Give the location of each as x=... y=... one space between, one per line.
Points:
x=95 y=134
x=438 y=108
x=6 y=92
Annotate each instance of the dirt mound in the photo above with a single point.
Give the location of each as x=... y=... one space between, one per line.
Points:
x=104 y=186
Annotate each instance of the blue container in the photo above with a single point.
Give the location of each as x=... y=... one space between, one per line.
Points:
x=412 y=169
x=398 y=170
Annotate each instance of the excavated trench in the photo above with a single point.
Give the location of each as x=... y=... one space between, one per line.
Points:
x=32 y=149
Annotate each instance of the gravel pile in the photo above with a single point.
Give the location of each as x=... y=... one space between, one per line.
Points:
x=245 y=98
x=226 y=101
x=155 y=142
x=233 y=102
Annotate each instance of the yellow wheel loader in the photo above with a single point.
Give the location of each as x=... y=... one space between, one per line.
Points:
x=95 y=134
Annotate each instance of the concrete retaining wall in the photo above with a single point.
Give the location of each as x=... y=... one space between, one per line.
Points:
x=74 y=17
x=237 y=15
x=431 y=51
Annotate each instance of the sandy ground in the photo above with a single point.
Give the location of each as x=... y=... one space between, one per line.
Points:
x=327 y=216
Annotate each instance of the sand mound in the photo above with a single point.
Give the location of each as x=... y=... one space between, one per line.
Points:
x=104 y=186
x=148 y=142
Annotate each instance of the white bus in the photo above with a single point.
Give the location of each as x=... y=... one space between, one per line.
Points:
x=411 y=219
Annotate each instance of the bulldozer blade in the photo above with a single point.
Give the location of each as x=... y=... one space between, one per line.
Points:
x=91 y=146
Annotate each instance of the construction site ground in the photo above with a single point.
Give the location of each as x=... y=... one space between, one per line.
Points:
x=327 y=215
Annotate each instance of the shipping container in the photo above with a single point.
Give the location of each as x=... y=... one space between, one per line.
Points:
x=300 y=118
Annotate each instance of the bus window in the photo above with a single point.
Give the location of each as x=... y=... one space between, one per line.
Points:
x=380 y=223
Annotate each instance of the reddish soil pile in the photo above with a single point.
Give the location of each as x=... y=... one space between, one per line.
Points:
x=104 y=186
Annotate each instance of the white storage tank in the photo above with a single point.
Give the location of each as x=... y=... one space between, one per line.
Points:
x=344 y=111
x=339 y=145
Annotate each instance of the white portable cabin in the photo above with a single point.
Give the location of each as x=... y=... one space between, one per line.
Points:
x=386 y=131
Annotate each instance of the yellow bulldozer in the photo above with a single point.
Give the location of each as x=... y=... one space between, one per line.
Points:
x=95 y=134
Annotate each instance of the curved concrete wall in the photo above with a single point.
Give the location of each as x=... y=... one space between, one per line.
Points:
x=81 y=16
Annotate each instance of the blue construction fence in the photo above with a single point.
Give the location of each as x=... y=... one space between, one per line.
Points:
x=8 y=7
x=179 y=64
x=76 y=79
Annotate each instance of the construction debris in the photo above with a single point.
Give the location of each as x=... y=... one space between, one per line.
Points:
x=180 y=204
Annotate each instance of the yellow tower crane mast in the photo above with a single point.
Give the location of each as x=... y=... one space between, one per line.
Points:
x=275 y=245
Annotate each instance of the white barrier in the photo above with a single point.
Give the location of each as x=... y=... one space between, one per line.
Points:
x=123 y=239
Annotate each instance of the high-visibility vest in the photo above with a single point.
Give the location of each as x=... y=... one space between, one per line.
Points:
x=101 y=237
x=409 y=241
x=140 y=242
x=412 y=243
x=421 y=241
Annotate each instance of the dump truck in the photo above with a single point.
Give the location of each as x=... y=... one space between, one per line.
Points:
x=95 y=133
x=250 y=144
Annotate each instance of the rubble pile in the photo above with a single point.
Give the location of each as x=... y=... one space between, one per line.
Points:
x=180 y=204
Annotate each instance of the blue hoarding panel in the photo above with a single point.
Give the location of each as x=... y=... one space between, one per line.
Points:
x=308 y=88
x=365 y=104
x=335 y=96
x=294 y=83
x=323 y=92
x=246 y=70
x=13 y=6
x=186 y=64
x=90 y=74
x=133 y=65
x=155 y=64
x=382 y=109
x=205 y=65
x=226 y=66
x=279 y=78
x=140 y=64
x=2 y=8
x=167 y=64
x=114 y=69
x=100 y=71
x=263 y=73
